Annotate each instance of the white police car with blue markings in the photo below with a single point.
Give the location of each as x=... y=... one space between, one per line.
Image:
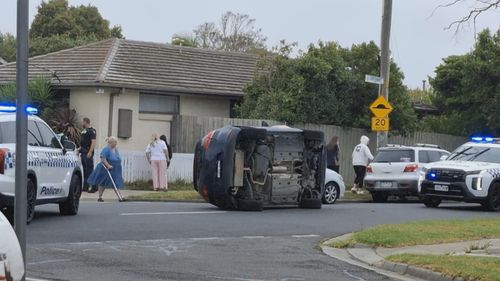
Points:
x=470 y=174
x=55 y=174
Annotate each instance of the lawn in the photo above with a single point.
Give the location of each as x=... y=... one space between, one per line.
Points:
x=467 y=267
x=174 y=195
x=424 y=233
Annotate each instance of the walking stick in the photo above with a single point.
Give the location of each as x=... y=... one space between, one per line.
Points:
x=117 y=191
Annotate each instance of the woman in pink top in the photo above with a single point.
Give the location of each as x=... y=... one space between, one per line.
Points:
x=157 y=154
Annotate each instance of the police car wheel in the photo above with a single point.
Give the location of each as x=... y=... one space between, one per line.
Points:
x=431 y=202
x=493 y=201
x=71 y=205
x=31 y=192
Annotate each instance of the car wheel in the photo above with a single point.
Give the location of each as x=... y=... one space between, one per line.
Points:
x=31 y=201
x=380 y=197
x=431 y=202
x=332 y=193
x=492 y=203
x=311 y=200
x=71 y=205
x=249 y=205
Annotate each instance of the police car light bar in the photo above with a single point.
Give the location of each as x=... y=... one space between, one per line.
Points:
x=484 y=139
x=13 y=109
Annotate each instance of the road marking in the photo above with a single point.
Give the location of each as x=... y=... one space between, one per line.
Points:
x=47 y=261
x=254 y=237
x=353 y=276
x=35 y=279
x=173 y=213
x=305 y=236
x=206 y=238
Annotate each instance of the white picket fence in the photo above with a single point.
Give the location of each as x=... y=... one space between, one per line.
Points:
x=135 y=167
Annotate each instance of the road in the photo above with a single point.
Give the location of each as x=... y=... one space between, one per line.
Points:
x=193 y=241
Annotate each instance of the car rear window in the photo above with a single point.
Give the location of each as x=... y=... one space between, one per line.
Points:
x=400 y=155
x=8 y=132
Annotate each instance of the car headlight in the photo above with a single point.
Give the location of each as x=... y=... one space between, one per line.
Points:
x=477 y=183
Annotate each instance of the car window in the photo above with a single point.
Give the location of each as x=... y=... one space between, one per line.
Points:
x=34 y=137
x=434 y=156
x=476 y=153
x=6 y=129
x=49 y=138
x=402 y=155
x=423 y=156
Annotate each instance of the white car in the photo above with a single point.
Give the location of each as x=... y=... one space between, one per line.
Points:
x=470 y=174
x=395 y=169
x=334 y=187
x=11 y=258
x=55 y=173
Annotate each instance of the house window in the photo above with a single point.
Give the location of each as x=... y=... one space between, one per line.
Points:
x=155 y=103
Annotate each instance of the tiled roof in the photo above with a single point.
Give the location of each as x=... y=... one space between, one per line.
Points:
x=143 y=65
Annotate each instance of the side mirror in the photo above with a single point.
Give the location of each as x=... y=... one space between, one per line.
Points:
x=68 y=145
x=443 y=157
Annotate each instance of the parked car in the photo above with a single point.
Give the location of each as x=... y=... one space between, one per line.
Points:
x=470 y=174
x=249 y=168
x=395 y=169
x=11 y=257
x=55 y=173
x=334 y=187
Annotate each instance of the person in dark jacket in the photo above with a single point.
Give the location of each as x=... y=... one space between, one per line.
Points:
x=164 y=138
x=333 y=154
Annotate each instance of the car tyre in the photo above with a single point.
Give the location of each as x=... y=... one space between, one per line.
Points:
x=331 y=193
x=71 y=205
x=492 y=202
x=431 y=202
x=31 y=201
x=250 y=205
x=380 y=197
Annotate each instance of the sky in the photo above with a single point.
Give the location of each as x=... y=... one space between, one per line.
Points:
x=419 y=40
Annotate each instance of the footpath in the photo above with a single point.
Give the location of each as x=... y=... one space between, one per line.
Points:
x=375 y=257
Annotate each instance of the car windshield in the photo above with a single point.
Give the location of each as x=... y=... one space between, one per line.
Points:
x=400 y=155
x=476 y=153
x=7 y=132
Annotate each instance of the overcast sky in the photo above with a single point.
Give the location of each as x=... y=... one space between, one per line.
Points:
x=418 y=39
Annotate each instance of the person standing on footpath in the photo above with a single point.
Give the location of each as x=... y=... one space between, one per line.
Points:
x=87 y=147
x=361 y=157
x=333 y=154
x=157 y=155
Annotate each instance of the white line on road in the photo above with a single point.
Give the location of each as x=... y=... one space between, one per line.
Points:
x=173 y=213
x=35 y=279
x=305 y=236
x=254 y=237
x=353 y=276
x=206 y=238
x=48 y=261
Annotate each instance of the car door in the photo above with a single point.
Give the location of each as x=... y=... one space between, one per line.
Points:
x=56 y=175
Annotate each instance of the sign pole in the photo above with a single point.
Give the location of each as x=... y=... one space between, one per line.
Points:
x=385 y=61
x=20 y=204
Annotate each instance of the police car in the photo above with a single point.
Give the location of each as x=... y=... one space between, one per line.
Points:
x=54 y=170
x=470 y=174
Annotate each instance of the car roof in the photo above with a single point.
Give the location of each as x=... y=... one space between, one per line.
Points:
x=482 y=144
x=10 y=117
x=413 y=147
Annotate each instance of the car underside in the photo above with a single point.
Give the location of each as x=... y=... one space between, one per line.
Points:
x=249 y=168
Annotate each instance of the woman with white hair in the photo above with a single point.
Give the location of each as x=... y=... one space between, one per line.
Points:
x=111 y=161
x=361 y=157
x=157 y=155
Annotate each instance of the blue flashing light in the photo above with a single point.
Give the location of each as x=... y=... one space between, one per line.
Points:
x=13 y=109
x=483 y=139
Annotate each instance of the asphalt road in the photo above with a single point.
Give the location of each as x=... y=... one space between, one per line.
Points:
x=193 y=241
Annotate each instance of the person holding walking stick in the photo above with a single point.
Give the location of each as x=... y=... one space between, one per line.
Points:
x=108 y=173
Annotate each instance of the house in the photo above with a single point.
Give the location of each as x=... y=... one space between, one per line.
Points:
x=131 y=89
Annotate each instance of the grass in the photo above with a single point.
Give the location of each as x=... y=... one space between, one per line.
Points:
x=148 y=185
x=177 y=195
x=467 y=267
x=348 y=195
x=425 y=233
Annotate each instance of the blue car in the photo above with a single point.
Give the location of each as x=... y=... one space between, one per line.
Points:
x=250 y=168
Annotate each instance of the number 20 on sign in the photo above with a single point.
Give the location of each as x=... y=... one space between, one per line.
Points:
x=380 y=124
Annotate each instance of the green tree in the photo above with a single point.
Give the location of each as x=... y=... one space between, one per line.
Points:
x=7 y=46
x=325 y=85
x=186 y=40
x=467 y=89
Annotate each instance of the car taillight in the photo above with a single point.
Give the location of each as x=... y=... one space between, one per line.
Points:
x=369 y=169
x=208 y=139
x=2 y=161
x=411 y=168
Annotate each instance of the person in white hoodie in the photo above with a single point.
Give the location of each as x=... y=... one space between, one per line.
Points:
x=361 y=157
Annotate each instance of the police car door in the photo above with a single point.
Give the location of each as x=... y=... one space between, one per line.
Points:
x=54 y=182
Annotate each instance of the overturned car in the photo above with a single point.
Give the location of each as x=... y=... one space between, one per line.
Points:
x=249 y=168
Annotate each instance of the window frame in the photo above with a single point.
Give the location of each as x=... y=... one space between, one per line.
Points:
x=177 y=103
x=54 y=136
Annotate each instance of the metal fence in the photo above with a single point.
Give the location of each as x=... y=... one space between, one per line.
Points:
x=187 y=130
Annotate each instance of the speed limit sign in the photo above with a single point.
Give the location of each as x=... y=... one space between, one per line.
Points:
x=380 y=124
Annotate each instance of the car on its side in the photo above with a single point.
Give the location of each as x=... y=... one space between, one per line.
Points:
x=395 y=169
x=54 y=175
x=11 y=257
x=249 y=168
x=470 y=174
x=334 y=187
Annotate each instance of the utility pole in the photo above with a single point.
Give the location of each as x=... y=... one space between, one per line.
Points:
x=20 y=204
x=385 y=61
